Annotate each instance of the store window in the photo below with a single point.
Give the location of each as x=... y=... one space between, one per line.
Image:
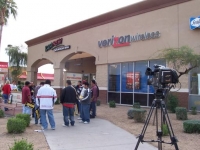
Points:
x=127 y=82
x=140 y=79
x=127 y=98
x=127 y=77
x=114 y=82
x=195 y=81
x=114 y=77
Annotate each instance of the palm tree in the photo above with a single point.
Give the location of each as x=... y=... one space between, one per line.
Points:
x=7 y=8
x=17 y=60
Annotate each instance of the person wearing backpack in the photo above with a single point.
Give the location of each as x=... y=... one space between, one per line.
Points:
x=94 y=95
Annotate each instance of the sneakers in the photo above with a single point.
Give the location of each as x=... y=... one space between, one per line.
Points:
x=79 y=118
x=53 y=128
x=65 y=125
x=81 y=121
x=43 y=128
x=85 y=122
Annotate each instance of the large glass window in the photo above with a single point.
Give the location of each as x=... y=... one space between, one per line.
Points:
x=127 y=77
x=127 y=82
x=127 y=98
x=141 y=98
x=114 y=97
x=140 y=79
x=195 y=81
x=114 y=83
x=114 y=77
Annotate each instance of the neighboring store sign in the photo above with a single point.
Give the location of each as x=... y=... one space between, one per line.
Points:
x=56 y=46
x=62 y=47
x=194 y=23
x=127 y=39
x=53 y=44
x=3 y=64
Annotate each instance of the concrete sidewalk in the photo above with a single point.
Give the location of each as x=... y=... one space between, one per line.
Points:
x=99 y=134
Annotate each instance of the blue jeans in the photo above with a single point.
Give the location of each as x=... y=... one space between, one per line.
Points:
x=49 y=113
x=93 y=108
x=68 y=114
x=26 y=110
x=5 y=98
x=80 y=108
x=85 y=114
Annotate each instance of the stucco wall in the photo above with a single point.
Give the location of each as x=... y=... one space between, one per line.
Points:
x=102 y=76
x=172 y=22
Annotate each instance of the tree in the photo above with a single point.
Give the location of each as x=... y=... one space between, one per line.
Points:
x=17 y=60
x=182 y=59
x=7 y=8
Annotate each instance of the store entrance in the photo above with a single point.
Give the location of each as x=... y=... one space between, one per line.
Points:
x=80 y=67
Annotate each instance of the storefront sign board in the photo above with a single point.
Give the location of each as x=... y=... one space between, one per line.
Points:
x=194 y=22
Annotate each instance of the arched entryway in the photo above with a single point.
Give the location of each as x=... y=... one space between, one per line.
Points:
x=79 y=66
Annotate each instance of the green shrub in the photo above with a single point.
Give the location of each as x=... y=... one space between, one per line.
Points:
x=26 y=118
x=130 y=113
x=22 y=145
x=172 y=102
x=1 y=113
x=136 y=105
x=165 y=130
x=112 y=104
x=139 y=115
x=57 y=101
x=98 y=102
x=181 y=113
x=194 y=110
x=191 y=126
x=16 y=125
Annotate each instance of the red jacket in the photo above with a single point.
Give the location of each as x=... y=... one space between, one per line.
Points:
x=6 y=89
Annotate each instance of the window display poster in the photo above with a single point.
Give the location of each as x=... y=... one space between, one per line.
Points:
x=130 y=79
x=74 y=77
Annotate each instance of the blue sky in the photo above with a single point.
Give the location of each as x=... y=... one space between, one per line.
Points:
x=38 y=17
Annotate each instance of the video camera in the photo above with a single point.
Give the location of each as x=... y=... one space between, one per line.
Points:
x=162 y=76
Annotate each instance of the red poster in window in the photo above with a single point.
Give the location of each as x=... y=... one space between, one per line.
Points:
x=137 y=80
x=130 y=79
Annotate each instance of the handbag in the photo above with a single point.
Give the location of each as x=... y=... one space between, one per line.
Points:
x=30 y=105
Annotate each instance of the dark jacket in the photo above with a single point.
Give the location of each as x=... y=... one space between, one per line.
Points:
x=68 y=95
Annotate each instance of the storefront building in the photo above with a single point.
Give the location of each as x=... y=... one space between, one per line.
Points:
x=116 y=48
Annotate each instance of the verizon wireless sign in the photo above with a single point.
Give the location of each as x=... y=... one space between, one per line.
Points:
x=120 y=41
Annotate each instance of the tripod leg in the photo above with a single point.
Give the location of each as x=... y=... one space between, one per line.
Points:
x=141 y=136
x=169 y=126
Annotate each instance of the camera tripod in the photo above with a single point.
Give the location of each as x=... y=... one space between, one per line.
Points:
x=157 y=103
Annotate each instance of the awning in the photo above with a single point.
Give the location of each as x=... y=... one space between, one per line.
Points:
x=40 y=76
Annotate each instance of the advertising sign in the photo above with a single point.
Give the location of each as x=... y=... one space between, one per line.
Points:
x=130 y=79
x=74 y=77
x=194 y=22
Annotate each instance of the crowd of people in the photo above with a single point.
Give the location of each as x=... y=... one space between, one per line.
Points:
x=42 y=98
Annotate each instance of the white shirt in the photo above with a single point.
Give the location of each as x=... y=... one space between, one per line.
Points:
x=46 y=97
